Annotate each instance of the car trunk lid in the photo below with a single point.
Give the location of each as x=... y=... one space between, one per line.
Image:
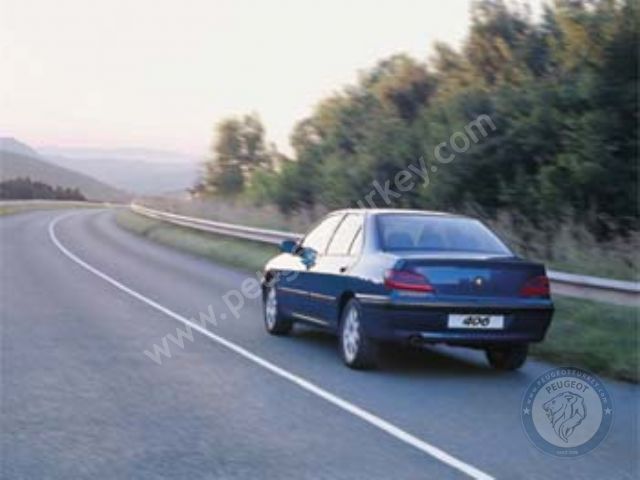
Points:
x=472 y=274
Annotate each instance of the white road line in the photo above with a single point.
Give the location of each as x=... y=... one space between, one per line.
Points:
x=345 y=405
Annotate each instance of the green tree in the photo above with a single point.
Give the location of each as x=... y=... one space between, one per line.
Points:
x=562 y=92
x=238 y=151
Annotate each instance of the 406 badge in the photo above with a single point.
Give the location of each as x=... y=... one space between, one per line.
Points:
x=567 y=412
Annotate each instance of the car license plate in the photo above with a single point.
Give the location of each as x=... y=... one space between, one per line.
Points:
x=476 y=321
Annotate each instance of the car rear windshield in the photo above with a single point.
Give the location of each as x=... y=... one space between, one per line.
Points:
x=433 y=233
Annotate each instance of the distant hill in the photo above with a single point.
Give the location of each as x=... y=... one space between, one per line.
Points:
x=143 y=171
x=9 y=144
x=18 y=160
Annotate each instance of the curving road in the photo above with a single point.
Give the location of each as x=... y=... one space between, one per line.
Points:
x=82 y=300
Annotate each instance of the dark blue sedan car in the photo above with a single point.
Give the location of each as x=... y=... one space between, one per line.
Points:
x=405 y=276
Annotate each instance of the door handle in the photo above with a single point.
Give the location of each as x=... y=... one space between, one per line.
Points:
x=343 y=269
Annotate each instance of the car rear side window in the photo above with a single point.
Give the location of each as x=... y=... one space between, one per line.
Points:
x=318 y=238
x=345 y=235
x=434 y=233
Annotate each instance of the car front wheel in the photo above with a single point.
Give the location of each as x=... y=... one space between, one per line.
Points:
x=274 y=321
x=510 y=357
x=358 y=351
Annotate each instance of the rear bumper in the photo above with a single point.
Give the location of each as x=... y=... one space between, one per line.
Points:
x=422 y=320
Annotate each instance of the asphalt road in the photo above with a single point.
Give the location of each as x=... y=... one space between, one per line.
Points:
x=80 y=399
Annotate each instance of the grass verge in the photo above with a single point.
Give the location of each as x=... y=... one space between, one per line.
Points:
x=237 y=253
x=596 y=336
x=13 y=208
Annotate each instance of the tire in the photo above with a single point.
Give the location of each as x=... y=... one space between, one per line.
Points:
x=510 y=357
x=274 y=321
x=358 y=351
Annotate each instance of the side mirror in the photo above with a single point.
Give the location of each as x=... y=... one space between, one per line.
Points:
x=289 y=246
x=308 y=257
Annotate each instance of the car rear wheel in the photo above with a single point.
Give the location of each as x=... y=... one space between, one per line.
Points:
x=510 y=357
x=358 y=351
x=274 y=321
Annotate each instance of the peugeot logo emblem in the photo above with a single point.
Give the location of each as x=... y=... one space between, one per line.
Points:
x=478 y=282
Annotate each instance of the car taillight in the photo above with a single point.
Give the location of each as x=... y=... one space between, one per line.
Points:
x=536 y=287
x=406 y=280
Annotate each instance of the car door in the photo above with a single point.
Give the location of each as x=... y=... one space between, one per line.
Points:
x=295 y=289
x=330 y=275
x=291 y=296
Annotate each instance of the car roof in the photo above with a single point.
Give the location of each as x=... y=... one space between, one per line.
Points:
x=396 y=211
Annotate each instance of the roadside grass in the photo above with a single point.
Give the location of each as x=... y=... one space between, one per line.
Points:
x=237 y=253
x=599 y=337
x=596 y=336
x=13 y=208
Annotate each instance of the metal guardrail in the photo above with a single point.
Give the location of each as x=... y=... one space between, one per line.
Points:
x=595 y=282
x=62 y=203
x=263 y=235
x=562 y=283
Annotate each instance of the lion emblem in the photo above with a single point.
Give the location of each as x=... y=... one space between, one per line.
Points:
x=565 y=411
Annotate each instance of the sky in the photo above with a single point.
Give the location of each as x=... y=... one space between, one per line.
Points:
x=161 y=73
